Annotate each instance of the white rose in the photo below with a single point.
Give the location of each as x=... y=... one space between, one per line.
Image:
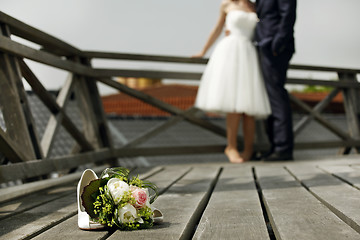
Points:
x=127 y=214
x=117 y=189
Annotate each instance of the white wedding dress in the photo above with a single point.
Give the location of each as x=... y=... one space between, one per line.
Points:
x=232 y=81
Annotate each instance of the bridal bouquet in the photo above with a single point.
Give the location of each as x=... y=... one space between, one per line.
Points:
x=116 y=199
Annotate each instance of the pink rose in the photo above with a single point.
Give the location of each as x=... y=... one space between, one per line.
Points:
x=141 y=197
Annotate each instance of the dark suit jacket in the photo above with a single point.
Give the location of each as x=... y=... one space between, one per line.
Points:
x=275 y=31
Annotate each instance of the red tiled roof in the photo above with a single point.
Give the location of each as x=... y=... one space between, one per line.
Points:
x=317 y=96
x=183 y=97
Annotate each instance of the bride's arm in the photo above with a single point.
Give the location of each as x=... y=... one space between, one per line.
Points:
x=215 y=33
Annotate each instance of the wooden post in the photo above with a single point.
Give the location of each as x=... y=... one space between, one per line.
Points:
x=87 y=95
x=15 y=109
x=352 y=107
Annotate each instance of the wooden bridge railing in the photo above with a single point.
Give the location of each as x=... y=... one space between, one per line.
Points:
x=25 y=155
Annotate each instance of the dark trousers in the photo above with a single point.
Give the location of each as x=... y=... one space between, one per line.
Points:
x=279 y=124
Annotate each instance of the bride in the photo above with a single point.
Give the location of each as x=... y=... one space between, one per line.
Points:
x=232 y=82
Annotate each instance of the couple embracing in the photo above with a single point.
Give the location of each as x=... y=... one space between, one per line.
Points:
x=246 y=74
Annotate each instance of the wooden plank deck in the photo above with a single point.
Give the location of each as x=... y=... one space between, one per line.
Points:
x=256 y=200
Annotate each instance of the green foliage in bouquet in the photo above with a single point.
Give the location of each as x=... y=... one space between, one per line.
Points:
x=116 y=199
x=89 y=195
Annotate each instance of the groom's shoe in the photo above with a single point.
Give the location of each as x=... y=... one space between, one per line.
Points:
x=279 y=156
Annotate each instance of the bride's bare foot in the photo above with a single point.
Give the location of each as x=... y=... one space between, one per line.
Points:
x=233 y=155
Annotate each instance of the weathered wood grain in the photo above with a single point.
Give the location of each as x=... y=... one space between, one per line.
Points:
x=69 y=230
x=351 y=105
x=38 y=219
x=163 y=178
x=35 y=198
x=141 y=57
x=234 y=210
x=87 y=113
x=10 y=148
x=168 y=176
x=35 y=213
x=156 y=74
x=37 y=168
x=18 y=191
x=90 y=105
x=15 y=78
x=338 y=196
x=14 y=116
x=294 y=212
x=180 y=205
x=20 y=50
x=145 y=172
x=348 y=174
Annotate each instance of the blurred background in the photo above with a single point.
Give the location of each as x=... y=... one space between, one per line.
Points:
x=325 y=31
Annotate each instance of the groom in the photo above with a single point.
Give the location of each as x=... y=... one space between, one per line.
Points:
x=275 y=38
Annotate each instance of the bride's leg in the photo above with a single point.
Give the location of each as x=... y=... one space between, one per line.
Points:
x=249 y=135
x=232 y=126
